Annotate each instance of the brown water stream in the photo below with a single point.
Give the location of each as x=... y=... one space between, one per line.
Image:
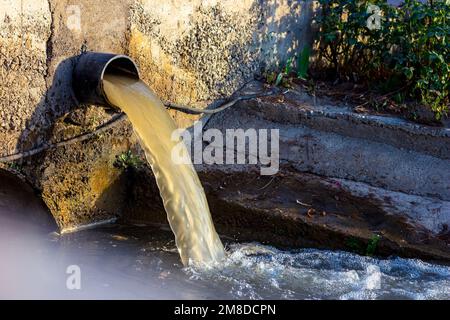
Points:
x=182 y=193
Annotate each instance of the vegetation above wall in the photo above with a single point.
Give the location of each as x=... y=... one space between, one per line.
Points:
x=403 y=50
x=377 y=55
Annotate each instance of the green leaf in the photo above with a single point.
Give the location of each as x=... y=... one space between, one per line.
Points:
x=408 y=72
x=279 y=78
x=352 y=41
x=372 y=245
x=303 y=62
x=288 y=67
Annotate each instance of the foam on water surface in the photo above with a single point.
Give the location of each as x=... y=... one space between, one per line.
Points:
x=255 y=271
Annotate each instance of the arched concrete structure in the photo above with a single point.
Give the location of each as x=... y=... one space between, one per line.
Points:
x=20 y=204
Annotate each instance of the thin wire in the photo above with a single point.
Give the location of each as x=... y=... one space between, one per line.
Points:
x=223 y=107
x=111 y=123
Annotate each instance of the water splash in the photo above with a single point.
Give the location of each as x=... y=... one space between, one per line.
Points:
x=254 y=271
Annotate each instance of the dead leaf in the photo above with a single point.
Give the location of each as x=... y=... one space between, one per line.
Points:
x=311 y=212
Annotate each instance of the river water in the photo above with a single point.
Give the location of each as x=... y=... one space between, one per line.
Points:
x=118 y=262
x=141 y=262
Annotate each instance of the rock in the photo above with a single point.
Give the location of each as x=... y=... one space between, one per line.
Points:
x=248 y=209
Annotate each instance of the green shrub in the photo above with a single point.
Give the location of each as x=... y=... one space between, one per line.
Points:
x=298 y=63
x=357 y=246
x=127 y=160
x=15 y=166
x=372 y=245
x=407 y=52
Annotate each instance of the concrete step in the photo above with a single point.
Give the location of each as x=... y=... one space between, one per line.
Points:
x=384 y=152
x=294 y=209
x=361 y=179
x=297 y=108
x=300 y=209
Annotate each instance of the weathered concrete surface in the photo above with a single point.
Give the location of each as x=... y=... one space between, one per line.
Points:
x=324 y=115
x=78 y=183
x=188 y=52
x=295 y=209
x=342 y=147
x=192 y=51
x=24 y=32
x=20 y=204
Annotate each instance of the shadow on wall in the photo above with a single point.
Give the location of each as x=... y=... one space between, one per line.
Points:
x=19 y=204
x=57 y=102
x=284 y=30
x=77 y=182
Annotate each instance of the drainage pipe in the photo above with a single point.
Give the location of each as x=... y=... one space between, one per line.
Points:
x=89 y=71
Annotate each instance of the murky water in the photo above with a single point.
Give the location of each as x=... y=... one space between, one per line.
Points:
x=122 y=262
x=118 y=262
x=182 y=193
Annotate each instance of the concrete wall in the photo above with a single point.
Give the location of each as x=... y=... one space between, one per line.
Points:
x=197 y=50
x=24 y=32
x=189 y=52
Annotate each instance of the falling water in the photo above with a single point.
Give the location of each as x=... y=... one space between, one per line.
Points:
x=182 y=193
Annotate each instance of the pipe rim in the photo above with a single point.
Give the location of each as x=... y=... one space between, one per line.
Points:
x=116 y=57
